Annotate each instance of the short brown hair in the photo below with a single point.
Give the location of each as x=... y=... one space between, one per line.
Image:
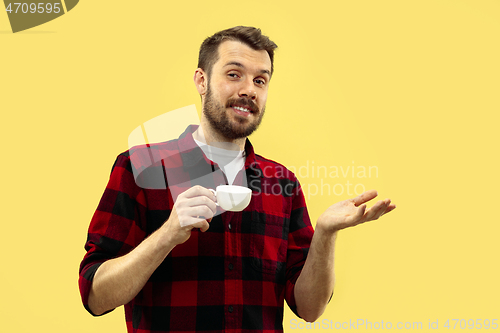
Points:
x=253 y=37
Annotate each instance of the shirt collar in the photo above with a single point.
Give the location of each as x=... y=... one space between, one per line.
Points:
x=192 y=154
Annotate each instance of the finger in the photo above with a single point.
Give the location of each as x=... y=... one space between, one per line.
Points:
x=205 y=226
x=360 y=212
x=202 y=201
x=206 y=219
x=203 y=210
x=357 y=217
x=376 y=210
x=364 y=197
x=191 y=221
x=202 y=224
x=382 y=209
x=197 y=191
x=390 y=208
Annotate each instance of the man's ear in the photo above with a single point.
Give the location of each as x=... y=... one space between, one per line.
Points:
x=201 y=81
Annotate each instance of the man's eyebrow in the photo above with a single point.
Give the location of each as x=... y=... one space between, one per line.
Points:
x=234 y=63
x=239 y=64
x=265 y=71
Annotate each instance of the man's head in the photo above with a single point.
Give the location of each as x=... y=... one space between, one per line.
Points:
x=249 y=36
x=235 y=68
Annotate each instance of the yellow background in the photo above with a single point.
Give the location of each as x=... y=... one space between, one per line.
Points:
x=411 y=87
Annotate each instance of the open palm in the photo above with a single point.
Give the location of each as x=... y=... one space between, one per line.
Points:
x=352 y=212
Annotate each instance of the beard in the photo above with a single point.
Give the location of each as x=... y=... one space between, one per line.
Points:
x=218 y=118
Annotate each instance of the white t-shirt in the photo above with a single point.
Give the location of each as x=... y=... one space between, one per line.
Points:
x=230 y=161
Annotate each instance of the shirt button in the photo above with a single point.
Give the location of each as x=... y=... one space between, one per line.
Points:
x=230 y=308
x=230 y=267
x=229 y=226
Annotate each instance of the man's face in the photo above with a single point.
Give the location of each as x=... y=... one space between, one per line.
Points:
x=235 y=100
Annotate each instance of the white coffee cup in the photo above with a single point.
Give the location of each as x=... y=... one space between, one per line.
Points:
x=232 y=198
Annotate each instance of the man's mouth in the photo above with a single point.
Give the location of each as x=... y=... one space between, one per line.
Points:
x=242 y=110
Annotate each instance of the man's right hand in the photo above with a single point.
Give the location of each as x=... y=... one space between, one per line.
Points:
x=117 y=281
x=193 y=208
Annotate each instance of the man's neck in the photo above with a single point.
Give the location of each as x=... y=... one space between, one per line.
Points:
x=206 y=134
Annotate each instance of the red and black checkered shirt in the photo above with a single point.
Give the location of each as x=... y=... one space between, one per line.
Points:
x=235 y=276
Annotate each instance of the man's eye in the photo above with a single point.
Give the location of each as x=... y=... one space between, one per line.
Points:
x=259 y=81
x=233 y=75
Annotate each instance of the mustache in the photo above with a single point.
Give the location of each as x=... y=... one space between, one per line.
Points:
x=243 y=102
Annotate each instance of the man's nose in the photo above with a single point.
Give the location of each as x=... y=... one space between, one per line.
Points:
x=248 y=90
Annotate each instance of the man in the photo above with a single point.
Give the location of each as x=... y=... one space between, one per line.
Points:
x=173 y=258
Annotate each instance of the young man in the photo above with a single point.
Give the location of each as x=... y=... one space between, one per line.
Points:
x=179 y=263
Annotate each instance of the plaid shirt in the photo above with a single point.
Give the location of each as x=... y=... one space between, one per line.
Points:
x=233 y=277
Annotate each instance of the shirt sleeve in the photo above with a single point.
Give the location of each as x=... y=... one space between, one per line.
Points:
x=115 y=228
x=299 y=241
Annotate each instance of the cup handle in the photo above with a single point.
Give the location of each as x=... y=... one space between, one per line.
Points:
x=215 y=193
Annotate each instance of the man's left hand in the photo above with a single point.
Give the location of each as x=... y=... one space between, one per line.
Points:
x=351 y=212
